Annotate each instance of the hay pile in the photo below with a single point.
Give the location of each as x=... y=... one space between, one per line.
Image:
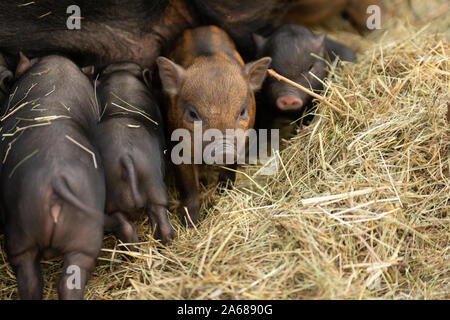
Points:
x=358 y=210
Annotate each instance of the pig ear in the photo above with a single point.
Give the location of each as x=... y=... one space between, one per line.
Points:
x=256 y=72
x=319 y=42
x=147 y=77
x=23 y=65
x=320 y=39
x=259 y=41
x=172 y=75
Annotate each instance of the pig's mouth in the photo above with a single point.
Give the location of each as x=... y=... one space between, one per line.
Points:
x=219 y=153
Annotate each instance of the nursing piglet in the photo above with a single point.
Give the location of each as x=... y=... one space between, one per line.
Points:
x=52 y=181
x=131 y=141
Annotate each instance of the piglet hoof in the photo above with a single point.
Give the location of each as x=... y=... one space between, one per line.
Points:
x=164 y=237
x=163 y=233
x=160 y=223
x=123 y=229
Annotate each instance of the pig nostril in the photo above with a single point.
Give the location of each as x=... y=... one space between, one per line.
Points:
x=289 y=103
x=297 y=103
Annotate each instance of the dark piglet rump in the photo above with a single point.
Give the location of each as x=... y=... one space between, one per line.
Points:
x=131 y=141
x=52 y=191
x=207 y=82
x=299 y=55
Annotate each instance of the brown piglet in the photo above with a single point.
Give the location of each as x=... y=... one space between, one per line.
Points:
x=208 y=83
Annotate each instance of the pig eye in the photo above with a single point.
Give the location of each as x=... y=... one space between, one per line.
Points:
x=190 y=113
x=193 y=115
x=311 y=67
x=242 y=113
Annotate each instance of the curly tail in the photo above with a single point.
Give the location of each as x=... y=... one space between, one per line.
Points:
x=62 y=189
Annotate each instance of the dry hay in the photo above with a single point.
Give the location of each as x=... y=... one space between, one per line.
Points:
x=358 y=209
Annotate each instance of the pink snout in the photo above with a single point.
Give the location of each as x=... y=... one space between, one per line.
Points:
x=289 y=103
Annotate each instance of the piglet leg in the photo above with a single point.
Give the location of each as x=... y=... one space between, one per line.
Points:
x=227 y=177
x=188 y=186
x=28 y=274
x=123 y=229
x=160 y=223
x=76 y=271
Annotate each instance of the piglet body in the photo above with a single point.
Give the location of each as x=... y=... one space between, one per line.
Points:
x=52 y=179
x=208 y=83
x=131 y=140
x=298 y=55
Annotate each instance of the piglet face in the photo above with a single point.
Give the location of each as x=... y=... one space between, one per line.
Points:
x=217 y=93
x=296 y=54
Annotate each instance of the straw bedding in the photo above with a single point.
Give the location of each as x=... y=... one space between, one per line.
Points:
x=359 y=206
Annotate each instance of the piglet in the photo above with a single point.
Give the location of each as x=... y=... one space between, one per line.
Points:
x=208 y=84
x=52 y=180
x=292 y=49
x=131 y=141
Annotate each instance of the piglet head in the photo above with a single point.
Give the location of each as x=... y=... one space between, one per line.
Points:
x=218 y=93
x=298 y=55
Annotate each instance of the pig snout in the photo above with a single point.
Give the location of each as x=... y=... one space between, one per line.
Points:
x=220 y=152
x=289 y=102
